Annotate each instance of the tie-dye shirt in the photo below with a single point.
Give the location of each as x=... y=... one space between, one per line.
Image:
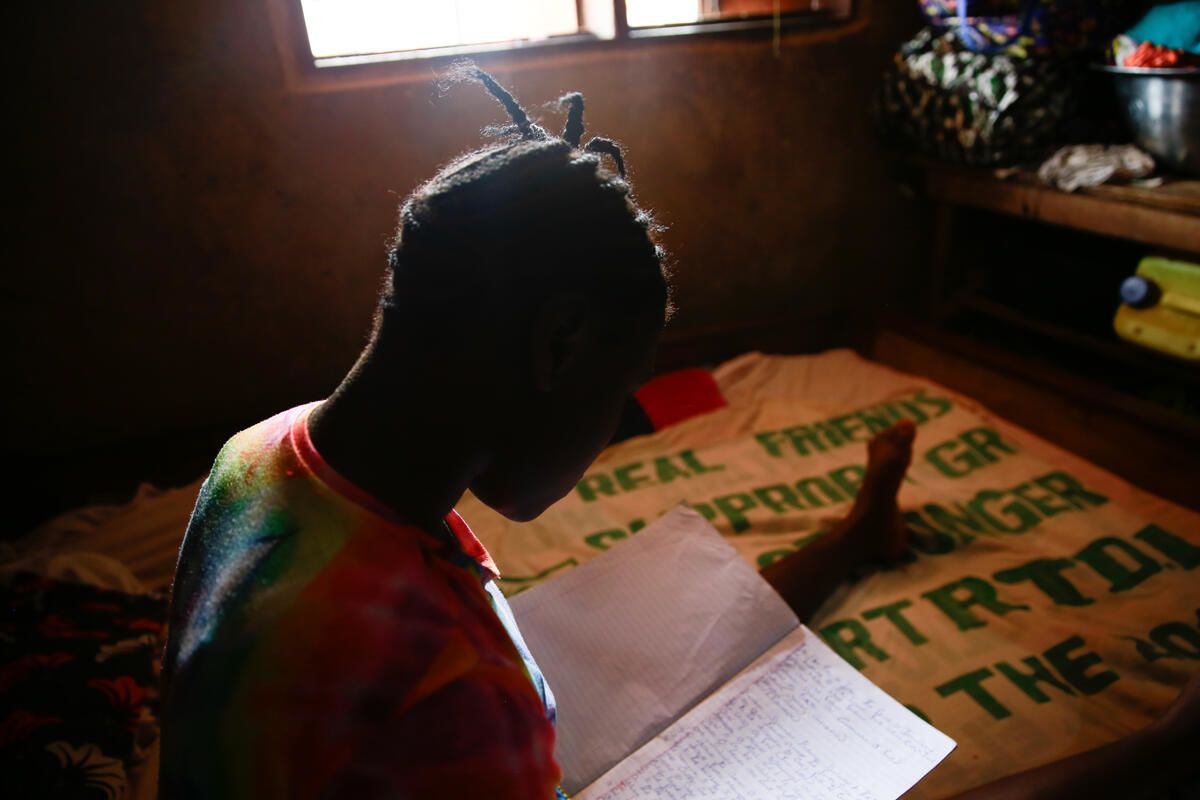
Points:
x=321 y=648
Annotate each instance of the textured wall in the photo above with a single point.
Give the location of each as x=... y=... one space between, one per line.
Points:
x=197 y=245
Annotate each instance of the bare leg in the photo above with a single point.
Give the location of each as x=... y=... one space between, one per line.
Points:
x=872 y=531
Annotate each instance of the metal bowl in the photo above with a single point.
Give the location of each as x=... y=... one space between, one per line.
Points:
x=1162 y=107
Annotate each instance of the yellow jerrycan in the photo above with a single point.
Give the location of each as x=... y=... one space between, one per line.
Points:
x=1160 y=307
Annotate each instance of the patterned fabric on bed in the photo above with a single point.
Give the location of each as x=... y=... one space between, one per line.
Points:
x=78 y=688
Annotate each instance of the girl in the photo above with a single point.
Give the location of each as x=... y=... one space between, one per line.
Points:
x=336 y=630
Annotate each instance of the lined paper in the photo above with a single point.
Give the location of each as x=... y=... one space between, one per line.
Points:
x=800 y=723
x=635 y=637
x=680 y=674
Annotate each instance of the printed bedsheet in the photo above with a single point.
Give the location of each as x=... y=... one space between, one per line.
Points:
x=1050 y=606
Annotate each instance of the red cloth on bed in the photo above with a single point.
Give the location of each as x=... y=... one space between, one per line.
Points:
x=321 y=648
x=679 y=395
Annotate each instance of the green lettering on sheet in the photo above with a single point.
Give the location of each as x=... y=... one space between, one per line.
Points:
x=938 y=529
x=1028 y=682
x=666 y=471
x=830 y=433
x=804 y=437
x=627 y=477
x=879 y=418
x=1177 y=639
x=938 y=406
x=602 y=539
x=1070 y=489
x=924 y=538
x=779 y=498
x=972 y=684
x=1098 y=556
x=1170 y=640
x=854 y=426
x=952 y=465
x=1144 y=649
x=734 y=508
x=963 y=525
x=693 y=462
x=848 y=427
x=967 y=452
x=804 y=488
x=769 y=557
x=1017 y=517
x=1181 y=551
x=640 y=474
x=849 y=478
x=591 y=486
x=987 y=443
x=957 y=598
x=892 y=612
x=1074 y=669
x=915 y=412
x=1047 y=574
x=770 y=442
x=848 y=636
x=1044 y=503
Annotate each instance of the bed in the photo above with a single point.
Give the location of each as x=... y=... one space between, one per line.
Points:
x=1048 y=606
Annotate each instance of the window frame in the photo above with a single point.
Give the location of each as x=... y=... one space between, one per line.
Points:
x=305 y=74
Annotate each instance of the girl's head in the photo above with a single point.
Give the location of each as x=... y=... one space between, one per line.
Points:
x=511 y=224
x=531 y=256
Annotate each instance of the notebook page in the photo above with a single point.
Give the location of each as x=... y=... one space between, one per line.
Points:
x=633 y=638
x=800 y=723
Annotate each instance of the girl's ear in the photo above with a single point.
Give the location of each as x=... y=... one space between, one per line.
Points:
x=560 y=334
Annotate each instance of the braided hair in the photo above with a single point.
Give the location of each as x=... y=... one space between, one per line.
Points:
x=500 y=228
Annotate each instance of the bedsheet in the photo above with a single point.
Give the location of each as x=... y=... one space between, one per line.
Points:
x=1050 y=606
x=142 y=537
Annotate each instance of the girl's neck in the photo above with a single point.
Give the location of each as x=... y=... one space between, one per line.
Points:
x=398 y=443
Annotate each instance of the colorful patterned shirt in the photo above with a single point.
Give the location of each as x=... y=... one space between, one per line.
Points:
x=319 y=647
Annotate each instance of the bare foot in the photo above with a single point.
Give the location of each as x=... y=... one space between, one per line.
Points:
x=875 y=518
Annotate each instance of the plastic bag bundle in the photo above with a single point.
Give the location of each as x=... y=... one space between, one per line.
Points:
x=944 y=100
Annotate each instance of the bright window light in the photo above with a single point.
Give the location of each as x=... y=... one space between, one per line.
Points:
x=648 y=13
x=357 y=27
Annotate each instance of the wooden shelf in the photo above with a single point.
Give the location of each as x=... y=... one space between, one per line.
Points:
x=1167 y=216
x=1067 y=360
x=1116 y=350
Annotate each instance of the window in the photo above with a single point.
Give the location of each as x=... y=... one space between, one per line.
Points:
x=650 y=13
x=653 y=13
x=339 y=28
x=343 y=32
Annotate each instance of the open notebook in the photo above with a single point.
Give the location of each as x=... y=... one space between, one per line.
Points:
x=680 y=673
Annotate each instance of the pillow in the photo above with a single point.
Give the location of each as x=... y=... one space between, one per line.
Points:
x=667 y=400
x=78 y=687
x=680 y=395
